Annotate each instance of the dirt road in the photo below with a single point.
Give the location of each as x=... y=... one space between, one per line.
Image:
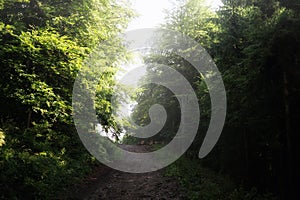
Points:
x=109 y=184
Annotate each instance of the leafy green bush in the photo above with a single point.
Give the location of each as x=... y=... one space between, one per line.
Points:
x=34 y=169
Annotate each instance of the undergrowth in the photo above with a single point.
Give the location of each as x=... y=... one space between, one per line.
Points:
x=200 y=183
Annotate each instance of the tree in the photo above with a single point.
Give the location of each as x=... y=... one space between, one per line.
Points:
x=254 y=44
x=43 y=44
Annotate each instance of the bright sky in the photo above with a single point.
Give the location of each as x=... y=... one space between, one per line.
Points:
x=151 y=12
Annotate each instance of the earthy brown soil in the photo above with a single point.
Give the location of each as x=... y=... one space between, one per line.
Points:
x=109 y=184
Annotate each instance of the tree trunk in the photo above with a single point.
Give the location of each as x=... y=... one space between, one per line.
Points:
x=288 y=131
x=29 y=118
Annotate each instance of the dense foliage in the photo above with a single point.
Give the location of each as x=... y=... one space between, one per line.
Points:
x=43 y=44
x=255 y=46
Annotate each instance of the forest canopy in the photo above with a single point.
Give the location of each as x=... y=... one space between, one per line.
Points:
x=45 y=43
x=255 y=45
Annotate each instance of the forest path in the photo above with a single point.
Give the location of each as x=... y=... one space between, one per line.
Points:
x=108 y=184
